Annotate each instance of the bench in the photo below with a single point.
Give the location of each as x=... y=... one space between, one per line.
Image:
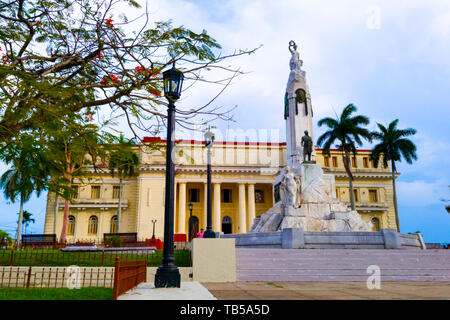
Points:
x=38 y=240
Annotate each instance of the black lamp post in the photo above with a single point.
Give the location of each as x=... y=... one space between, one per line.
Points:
x=154 y=222
x=209 y=138
x=191 y=206
x=168 y=275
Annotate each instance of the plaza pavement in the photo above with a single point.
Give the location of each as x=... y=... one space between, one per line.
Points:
x=192 y=290
x=328 y=291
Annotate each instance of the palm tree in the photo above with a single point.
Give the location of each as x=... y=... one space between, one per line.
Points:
x=26 y=174
x=392 y=147
x=123 y=161
x=27 y=219
x=347 y=131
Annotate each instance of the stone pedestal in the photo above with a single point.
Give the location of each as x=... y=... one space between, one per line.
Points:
x=317 y=208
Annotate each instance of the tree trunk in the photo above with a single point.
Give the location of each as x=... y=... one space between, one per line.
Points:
x=350 y=179
x=397 y=220
x=62 y=238
x=55 y=212
x=119 y=209
x=19 y=224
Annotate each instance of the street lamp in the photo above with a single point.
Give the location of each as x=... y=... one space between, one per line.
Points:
x=154 y=222
x=168 y=275
x=191 y=206
x=209 y=138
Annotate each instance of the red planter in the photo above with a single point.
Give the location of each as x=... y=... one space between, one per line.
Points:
x=157 y=243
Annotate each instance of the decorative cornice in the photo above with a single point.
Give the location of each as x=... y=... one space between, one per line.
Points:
x=214 y=169
x=370 y=208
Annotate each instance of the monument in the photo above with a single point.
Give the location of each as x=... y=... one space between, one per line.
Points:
x=306 y=213
x=305 y=197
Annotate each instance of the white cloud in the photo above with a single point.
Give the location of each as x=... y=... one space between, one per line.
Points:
x=422 y=193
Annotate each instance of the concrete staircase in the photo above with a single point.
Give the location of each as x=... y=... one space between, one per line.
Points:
x=341 y=264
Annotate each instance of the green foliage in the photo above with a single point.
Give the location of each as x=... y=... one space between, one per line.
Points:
x=122 y=158
x=393 y=145
x=27 y=172
x=114 y=241
x=27 y=219
x=86 y=293
x=4 y=234
x=86 y=259
x=63 y=57
x=347 y=130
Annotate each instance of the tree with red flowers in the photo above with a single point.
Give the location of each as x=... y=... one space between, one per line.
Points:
x=67 y=56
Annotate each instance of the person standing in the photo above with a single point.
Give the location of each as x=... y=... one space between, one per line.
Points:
x=200 y=234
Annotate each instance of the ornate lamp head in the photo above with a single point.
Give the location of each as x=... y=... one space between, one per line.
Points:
x=173 y=81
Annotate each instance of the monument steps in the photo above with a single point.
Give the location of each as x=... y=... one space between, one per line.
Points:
x=341 y=265
x=329 y=278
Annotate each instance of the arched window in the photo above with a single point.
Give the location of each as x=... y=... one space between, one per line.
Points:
x=114 y=223
x=376 y=224
x=71 y=226
x=93 y=225
x=300 y=97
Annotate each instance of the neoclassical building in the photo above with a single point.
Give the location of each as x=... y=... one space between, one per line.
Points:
x=242 y=178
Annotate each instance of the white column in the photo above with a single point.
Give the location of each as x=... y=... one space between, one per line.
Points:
x=205 y=207
x=251 y=205
x=101 y=221
x=217 y=214
x=242 y=214
x=182 y=208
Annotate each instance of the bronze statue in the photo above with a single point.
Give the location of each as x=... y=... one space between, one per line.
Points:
x=307 y=145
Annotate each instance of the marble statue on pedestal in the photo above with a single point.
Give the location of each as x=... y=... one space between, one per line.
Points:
x=307 y=195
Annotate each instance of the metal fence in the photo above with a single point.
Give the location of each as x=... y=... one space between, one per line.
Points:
x=101 y=258
x=39 y=245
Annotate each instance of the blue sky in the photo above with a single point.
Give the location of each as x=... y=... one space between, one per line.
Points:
x=389 y=58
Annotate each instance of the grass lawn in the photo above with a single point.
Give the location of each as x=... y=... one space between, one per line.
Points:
x=85 y=259
x=88 y=293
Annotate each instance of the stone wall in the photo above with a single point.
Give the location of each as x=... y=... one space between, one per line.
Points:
x=296 y=239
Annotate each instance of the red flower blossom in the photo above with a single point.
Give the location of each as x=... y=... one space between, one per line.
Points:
x=115 y=79
x=109 y=23
x=103 y=165
x=112 y=78
x=156 y=93
x=141 y=69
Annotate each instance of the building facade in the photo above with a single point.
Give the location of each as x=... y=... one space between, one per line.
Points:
x=242 y=178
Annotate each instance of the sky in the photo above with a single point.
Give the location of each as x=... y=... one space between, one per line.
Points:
x=390 y=58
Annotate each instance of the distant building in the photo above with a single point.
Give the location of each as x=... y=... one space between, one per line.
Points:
x=242 y=177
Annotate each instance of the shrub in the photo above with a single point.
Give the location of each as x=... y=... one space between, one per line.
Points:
x=5 y=235
x=114 y=241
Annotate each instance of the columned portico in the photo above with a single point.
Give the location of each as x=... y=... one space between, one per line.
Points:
x=242 y=215
x=217 y=218
x=251 y=205
x=182 y=208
